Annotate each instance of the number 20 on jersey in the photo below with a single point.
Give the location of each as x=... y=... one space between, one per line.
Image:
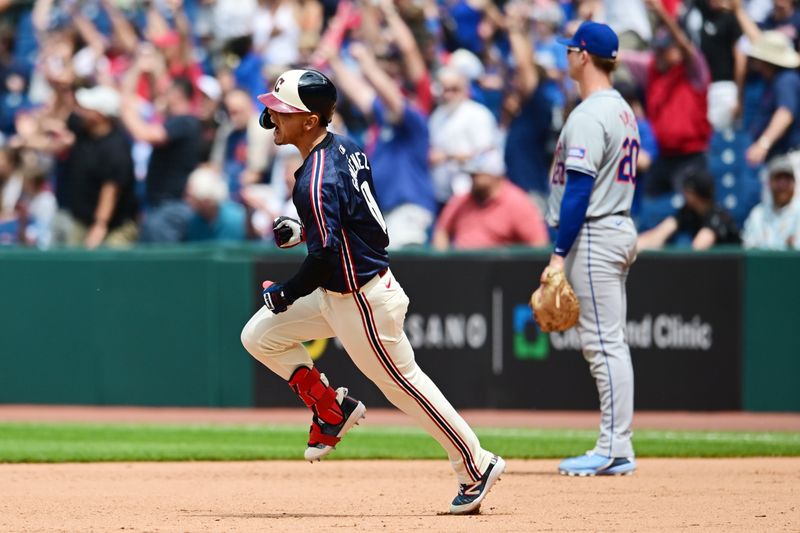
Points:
x=627 y=165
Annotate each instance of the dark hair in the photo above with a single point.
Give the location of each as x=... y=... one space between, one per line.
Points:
x=701 y=183
x=628 y=90
x=605 y=64
x=185 y=86
x=239 y=46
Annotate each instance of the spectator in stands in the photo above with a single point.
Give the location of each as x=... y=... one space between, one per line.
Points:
x=100 y=173
x=463 y=19
x=460 y=129
x=675 y=78
x=409 y=69
x=700 y=221
x=494 y=213
x=248 y=73
x=38 y=203
x=14 y=98
x=546 y=18
x=628 y=19
x=530 y=111
x=785 y=18
x=235 y=138
x=775 y=127
x=176 y=151
x=276 y=32
x=713 y=27
x=10 y=182
x=210 y=114
x=266 y=202
x=498 y=66
x=174 y=43
x=43 y=132
x=398 y=153
x=775 y=223
x=214 y=217
x=233 y=18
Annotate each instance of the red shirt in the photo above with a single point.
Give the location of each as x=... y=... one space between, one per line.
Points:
x=508 y=218
x=677 y=107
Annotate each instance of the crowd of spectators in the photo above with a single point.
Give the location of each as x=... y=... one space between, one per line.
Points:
x=127 y=121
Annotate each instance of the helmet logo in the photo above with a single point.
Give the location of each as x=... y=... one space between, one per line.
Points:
x=278 y=85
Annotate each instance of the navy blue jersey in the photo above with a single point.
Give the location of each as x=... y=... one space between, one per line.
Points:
x=335 y=200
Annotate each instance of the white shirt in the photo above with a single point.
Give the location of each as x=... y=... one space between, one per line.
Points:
x=466 y=129
x=628 y=15
x=233 y=18
x=772 y=229
x=41 y=210
x=281 y=49
x=11 y=192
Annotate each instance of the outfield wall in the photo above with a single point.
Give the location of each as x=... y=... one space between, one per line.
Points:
x=712 y=331
x=141 y=327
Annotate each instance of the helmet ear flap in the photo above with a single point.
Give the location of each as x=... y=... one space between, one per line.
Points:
x=265 y=121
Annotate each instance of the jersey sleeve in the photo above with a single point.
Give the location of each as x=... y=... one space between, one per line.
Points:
x=584 y=141
x=324 y=227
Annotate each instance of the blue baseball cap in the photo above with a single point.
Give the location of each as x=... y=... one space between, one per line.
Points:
x=597 y=39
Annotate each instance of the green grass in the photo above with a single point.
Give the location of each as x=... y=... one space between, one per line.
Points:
x=28 y=442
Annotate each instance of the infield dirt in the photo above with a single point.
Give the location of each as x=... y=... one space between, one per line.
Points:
x=756 y=494
x=759 y=494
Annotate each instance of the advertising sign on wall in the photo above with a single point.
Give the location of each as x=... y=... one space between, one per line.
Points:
x=473 y=334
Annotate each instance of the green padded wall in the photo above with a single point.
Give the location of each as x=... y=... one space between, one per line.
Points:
x=161 y=326
x=771 y=373
x=142 y=327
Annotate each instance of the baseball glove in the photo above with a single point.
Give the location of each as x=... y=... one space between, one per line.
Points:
x=555 y=306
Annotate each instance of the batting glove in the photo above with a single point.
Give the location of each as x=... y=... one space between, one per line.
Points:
x=275 y=298
x=288 y=232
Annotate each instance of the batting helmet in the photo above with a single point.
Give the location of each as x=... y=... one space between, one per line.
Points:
x=299 y=91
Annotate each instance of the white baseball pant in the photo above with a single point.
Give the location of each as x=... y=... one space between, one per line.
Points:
x=369 y=323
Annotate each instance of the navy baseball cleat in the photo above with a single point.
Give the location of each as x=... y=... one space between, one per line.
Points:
x=592 y=464
x=470 y=495
x=323 y=437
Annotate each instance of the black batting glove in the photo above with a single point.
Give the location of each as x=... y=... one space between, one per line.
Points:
x=275 y=298
x=288 y=232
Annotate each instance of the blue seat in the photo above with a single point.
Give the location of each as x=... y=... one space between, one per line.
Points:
x=654 y=209
x=736 y=183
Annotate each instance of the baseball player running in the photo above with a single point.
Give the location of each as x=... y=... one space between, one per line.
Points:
x=344 y=288
x=592 y=183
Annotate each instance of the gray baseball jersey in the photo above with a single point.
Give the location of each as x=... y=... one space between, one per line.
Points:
x=601 y=139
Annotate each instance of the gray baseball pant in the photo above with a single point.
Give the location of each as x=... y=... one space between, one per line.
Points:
x=597 y=267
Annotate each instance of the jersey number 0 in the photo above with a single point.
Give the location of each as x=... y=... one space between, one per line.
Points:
x=373 y=205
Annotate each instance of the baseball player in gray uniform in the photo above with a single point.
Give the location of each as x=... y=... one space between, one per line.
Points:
x=592 y=182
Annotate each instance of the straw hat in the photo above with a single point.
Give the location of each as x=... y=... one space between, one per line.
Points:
x=104 y=100
x=775 y=48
